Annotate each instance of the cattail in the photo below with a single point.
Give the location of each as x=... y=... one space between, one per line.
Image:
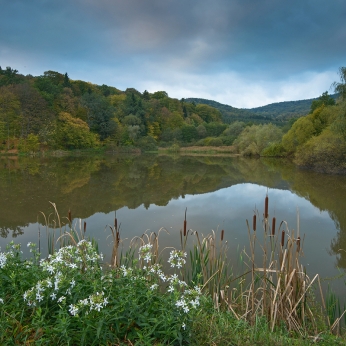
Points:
x=222 y=234
x=185 y=223
x=254 y=223
x=283 y=238
x=69 y=216
x=115 y=223
x=84 y=226
x=298 y=244
x=273 y=226
x=266 y=207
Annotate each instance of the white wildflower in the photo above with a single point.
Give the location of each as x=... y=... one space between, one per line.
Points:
x=39 y=297
x=3 y=260
x=61 y=299
x=73 y=310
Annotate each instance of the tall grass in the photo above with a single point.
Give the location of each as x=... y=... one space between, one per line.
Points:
x=268 y=282
x=274 y=284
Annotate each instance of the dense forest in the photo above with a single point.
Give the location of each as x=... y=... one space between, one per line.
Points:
x=56 y=112
x=51 y=112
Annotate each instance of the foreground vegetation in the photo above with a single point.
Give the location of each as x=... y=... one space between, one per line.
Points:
x=73 y=297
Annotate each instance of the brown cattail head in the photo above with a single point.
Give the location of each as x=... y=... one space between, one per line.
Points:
x=283 y=238
x=298 y=244
x=254 y=222
x=266 y=202
x=222 y=234
x=273 y=225
x=115 y=223
x=184 y=228
x=84 y=226
x=69 y=216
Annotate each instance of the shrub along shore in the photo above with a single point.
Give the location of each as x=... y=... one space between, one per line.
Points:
x=152 y=296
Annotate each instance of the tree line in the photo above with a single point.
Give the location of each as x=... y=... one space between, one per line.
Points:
x=52 y=111
x=56 y=112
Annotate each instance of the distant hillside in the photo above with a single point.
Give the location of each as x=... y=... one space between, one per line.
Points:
x=230 y=114
x=286 y=109
x=274 y=112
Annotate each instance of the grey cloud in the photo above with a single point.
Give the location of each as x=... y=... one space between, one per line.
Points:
x=147 y=39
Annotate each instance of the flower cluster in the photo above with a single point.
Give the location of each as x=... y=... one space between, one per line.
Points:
x=62 y=268
x=145 y=252
x=95 y=302
x=3 y=260
x=12 y=252
x=177 y=258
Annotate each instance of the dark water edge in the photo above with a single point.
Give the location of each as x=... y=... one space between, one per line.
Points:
x=152 y=191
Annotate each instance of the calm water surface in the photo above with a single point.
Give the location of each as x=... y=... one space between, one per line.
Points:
x=149 y=192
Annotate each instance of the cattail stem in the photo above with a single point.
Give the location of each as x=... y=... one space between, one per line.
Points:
x=273 y=225
x=254 y=223
x=266 y=202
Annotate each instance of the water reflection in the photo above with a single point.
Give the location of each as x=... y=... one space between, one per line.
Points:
x=152 y=191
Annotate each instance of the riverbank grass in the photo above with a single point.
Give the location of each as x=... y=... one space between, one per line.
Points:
x=148 y=295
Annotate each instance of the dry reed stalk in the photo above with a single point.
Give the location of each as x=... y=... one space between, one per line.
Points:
x=280 y=289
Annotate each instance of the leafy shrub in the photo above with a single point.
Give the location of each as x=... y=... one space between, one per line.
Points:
x=274 y=149
x=215 y=142
x=228 y=140
x=324 y=153
x=255 y=138
x=147 y=143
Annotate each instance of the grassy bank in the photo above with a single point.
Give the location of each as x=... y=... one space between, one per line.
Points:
x=148 y=295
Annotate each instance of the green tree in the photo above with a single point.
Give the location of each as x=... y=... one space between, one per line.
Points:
x=32 y=142
x=302 y=130
x=10 y=112
x=74 y=133
x=189 y=133
x=208 y=113
x=324 y=99
x=340 y=88
x=100 y=114
x=8 y=76
x=66 y=83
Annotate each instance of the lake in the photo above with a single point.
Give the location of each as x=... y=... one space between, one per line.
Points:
x=148 y=192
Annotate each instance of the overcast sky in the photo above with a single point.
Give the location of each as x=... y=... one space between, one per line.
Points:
x=244 y=53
